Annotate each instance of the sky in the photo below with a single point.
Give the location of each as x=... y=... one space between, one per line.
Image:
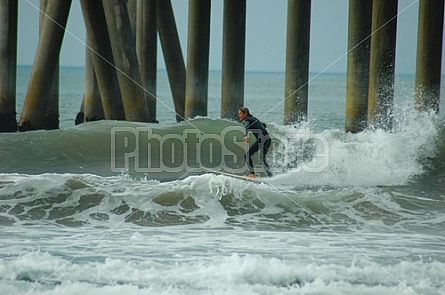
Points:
x=265 y=35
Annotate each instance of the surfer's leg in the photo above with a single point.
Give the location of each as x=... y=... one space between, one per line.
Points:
x=252 y=150
x=249 y=163
x=263 y=154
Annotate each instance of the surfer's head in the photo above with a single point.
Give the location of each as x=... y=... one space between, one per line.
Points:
x=243 y=112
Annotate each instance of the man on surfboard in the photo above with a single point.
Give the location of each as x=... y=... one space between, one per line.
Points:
x=262 y=142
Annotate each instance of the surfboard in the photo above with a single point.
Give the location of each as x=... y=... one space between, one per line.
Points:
x=258 y=179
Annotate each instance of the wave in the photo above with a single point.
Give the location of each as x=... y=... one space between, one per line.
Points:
x=230 y=274
x=299 y=156
x=209 y=201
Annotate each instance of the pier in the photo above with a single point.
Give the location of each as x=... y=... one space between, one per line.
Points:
x=121 y=61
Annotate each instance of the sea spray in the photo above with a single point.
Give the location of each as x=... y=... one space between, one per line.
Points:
x=369 y=158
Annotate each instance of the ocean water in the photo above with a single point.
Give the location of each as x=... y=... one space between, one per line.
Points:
x=123 y=208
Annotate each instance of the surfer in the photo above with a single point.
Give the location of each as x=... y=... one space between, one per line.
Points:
x=262 y=142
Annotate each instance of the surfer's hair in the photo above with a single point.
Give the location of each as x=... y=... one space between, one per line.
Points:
x=244 y=110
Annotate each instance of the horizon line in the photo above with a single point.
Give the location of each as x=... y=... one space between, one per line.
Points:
x=247 y=71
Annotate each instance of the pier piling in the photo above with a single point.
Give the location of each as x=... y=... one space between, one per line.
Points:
x=429 y=55
x=52 y=112
x=197 y=76
x=357 y=82
x=132 y=14
x=124 y=53
x=234 y=40
x=297 y=61
x=146 y=49
x=121 y=61
x=34 y=113
x=8 y=64
x=174 y=60
x=382 y=64
x=92 y=105
x=102 y=60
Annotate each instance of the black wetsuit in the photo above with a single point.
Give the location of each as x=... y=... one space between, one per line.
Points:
x=262 y=143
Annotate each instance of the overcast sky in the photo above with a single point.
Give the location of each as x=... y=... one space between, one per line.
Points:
x=265 y=35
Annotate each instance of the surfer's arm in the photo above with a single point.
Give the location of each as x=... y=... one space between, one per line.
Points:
x=246 y=132
x=246 y=127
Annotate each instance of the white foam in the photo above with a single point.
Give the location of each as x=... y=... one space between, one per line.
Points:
x=229 y=274
x=368 y=158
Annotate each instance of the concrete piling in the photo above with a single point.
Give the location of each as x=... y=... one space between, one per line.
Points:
x=297 y=61
x=121 y=62
x=52 y=112
x=102 y=59
x=39 y=89
x=146 y=49
x=132 y=14
x=80 y=117
x=382 y=64
x=174 y=61
x=234 y=40
x=429 y=55
x=124 y=53
x=92 y=105
x=8 y=64
x=197 y=76
x=357 y=82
